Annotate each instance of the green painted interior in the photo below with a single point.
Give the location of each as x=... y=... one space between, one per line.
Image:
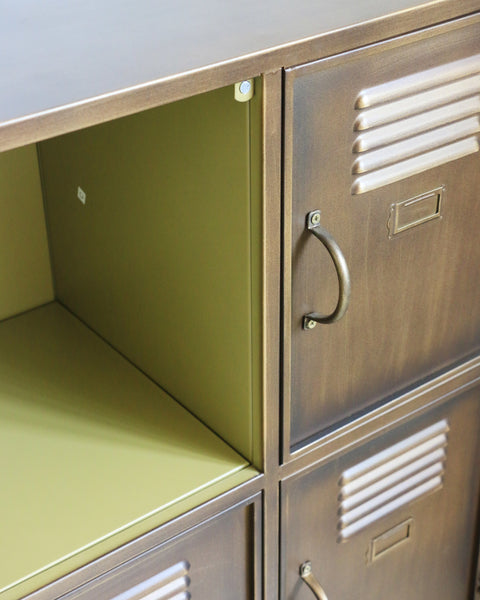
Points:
x=93 y=453
x=25 y=277
x=163 y=258
x=256 y=246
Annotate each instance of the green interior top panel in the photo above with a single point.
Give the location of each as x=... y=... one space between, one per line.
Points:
x=93 y=453
x=25 y=277
x=156 y=256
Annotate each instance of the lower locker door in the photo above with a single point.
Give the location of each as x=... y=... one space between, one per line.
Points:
x=214 y=561
x=393 y=519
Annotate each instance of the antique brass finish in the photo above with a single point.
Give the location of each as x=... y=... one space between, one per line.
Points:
x=407 y=290
x=309 y=578
x=313 y=225
x=417 y=539
x=271 y=90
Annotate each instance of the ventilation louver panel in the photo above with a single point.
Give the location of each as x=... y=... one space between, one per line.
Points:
x=170 y=584
x=415 y=123
x=391 y=479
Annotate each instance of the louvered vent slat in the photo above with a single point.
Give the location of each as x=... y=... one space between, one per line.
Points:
x=351 y=515
x=437 y=456
x=416 y=123
x=431 y=437
x=431 y=486
x=417 y=103
x=418 y=81
x=427 y=141
x=169 y=584
x=415 y=165
x=387 y=134
x=390 y=479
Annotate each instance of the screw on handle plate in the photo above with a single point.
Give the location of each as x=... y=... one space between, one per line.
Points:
x=305 y=569
x=306 y=573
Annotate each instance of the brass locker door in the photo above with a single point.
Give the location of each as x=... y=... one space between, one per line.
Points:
x=395 y=518
x=384 y=142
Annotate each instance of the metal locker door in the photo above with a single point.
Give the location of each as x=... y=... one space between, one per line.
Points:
x=384 y=142
x=395 y=518
x=201 y=563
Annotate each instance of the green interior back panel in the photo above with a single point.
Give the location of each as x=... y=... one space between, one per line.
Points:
x=25 y=276
x=158 y=259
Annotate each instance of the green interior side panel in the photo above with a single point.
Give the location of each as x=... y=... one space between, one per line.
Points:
x=25 y=276
x=256 y=204
x=92 y=452
x=158 y=259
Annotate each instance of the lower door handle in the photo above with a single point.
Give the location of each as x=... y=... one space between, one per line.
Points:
x=309 y=578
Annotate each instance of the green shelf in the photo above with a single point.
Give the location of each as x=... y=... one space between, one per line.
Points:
x=93 y=452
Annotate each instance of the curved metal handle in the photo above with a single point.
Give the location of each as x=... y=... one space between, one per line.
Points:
x=344 y=284
x=309 y=578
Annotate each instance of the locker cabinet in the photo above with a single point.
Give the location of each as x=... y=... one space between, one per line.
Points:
x=239 y=319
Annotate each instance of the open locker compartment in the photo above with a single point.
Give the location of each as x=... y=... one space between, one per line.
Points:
x=393 y=517
x=119 y=296
x=384 y=142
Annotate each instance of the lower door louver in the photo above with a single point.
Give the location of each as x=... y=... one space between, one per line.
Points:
x=170 y=584
x=391 y=479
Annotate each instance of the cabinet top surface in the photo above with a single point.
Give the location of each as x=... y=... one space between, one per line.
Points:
x=126 y=55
